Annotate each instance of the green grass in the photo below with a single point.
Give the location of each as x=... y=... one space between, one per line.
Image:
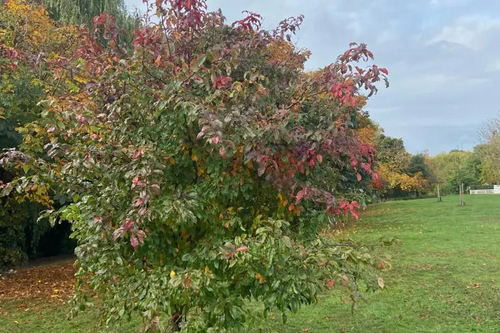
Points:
x=445 y=277
x=50 y=317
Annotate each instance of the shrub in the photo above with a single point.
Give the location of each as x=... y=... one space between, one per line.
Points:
x=203 y=169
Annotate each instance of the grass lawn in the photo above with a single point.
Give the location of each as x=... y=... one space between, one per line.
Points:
x=445 y=277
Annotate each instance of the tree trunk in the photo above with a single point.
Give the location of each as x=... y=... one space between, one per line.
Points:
x=439 y=192
x=461 y=188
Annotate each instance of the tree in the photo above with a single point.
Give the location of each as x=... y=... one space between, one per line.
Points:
x=400 y=172
x=456 y=169
x=489 y=152
x=30 y=44
x=392 y=153
x=438 y=178
x=77 y=12
x=27 y=33
x=202 y=170
x=418 y=166
x=393 y=161
x=91 y=13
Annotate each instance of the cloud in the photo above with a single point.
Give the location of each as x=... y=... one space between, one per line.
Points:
x=469 y=31
x=450 y=3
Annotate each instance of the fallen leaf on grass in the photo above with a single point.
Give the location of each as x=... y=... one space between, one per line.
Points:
x=41 y=282
x=381 y=283
x=474 y=285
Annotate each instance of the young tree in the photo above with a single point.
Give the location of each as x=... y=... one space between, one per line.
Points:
x=455 y=167
x=203 y=168
x=438 y=177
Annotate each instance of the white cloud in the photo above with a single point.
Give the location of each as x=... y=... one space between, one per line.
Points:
x=468 y=31
x=449 y=3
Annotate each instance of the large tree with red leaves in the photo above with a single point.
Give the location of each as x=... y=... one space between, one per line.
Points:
x=203 y=168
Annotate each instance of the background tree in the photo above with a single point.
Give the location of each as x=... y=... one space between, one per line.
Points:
x=78 y=12
x=475 y=163
x=489 y=152
x=418 y=167
x=438 y=178
x=202 y=170
x=30 y=43
x=393 y=162
x=392 y=153
x=455 y=166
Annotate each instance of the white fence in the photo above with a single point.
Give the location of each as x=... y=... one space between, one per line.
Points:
x=495 y=190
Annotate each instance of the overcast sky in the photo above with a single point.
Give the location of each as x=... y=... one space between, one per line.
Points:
x=443 y=58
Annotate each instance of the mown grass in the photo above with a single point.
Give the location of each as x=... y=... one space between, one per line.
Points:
x=49 y=317
x=445 y=277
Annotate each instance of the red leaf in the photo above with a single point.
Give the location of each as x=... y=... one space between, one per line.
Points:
x=135 y=181
x=100 y=20
x=141 y=235
x=222 y=152
x=319 y=158
x=142 y=211
x=189 y=4
x=276 y=169
x=366 y=167
x=384 y=70
x=300 y=167
x=358 y=176
x=330 y=283
x=118 y=233
x=242 y=249
x=299 y=196
x=353 y=206
x=223 y=82
x=134 y=242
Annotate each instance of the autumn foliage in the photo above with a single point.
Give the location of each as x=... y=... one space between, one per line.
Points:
x=202 y=167
x=31 y=48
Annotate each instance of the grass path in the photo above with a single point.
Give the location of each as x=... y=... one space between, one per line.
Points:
x=445 y=277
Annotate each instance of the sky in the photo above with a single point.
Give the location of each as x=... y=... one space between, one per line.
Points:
x=443 y=58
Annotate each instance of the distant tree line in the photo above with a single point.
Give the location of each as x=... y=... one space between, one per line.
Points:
x=406 y=175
